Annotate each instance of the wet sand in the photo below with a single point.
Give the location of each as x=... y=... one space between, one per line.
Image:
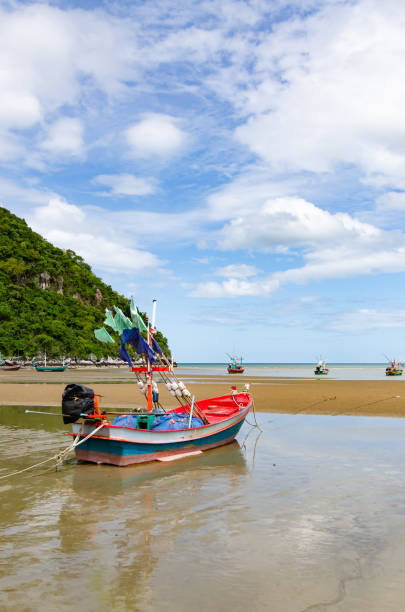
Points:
x=278 y=395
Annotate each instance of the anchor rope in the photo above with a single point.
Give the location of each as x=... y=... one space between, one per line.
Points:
x=240 y=406
x=59 y=457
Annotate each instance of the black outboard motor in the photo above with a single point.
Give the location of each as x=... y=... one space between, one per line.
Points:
x=76 y=400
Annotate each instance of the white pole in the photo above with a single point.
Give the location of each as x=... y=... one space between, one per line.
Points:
x=154 y=314
x=191 y=412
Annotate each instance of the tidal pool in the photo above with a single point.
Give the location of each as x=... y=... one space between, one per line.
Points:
x=307 y=516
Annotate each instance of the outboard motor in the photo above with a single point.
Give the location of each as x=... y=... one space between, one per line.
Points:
x=76 y=400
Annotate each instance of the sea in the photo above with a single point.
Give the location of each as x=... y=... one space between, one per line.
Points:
x=337 y=371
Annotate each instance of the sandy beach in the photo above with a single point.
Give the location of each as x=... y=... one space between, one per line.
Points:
x=278 y=395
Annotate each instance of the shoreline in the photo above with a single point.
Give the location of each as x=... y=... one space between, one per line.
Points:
x=383 y=398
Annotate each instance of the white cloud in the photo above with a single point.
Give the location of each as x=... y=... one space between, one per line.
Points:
x=392 y=200
x=58 y=213
x=233 y=288
x=237 y=271
x=155 y=227
x=309 y=299
x=346 y=263
x=52 y=58
x=19 y=109
x=366 y=319
x=104 y=254
x=126 y=184
x=65 y=137
x=293 y=222
x=70 y=227
x=155 y=135
x=330 y=245
x=247 y=193
x=43 y=52
x=327 y=89
x=10 y=147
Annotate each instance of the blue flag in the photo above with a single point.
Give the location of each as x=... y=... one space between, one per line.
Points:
x=123 y=353
x=141 y=346
x=156 y=347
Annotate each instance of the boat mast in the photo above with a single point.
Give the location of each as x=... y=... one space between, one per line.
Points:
x=151 y=329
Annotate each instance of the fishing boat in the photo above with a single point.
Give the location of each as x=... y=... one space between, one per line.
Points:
x=154 y=433
x=320 y=368
x=394 y=368
x=45 y=368
x=235 y=365
x=7 y=366
x=10 y=368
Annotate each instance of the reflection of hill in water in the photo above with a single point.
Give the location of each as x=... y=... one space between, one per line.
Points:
x=110 y=480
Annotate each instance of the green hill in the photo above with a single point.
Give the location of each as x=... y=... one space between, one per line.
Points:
x=50 y=300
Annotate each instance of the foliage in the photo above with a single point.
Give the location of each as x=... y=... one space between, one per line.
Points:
x=50 y=300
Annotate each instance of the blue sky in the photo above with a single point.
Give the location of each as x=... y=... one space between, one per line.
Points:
x=242 y=162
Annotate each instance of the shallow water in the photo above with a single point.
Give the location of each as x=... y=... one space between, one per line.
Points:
x=337 y=371
x=206 y=373
x=307 y=516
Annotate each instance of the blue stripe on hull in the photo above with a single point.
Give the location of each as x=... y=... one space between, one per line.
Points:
x=120 y=448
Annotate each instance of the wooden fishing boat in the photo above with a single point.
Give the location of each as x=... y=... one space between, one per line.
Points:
x=155 y=433
x=50 y=368
x=321 y=369
x=235 y=365
x=394 y=368
x=45 y=368
x=126 y=445
x=10 y=368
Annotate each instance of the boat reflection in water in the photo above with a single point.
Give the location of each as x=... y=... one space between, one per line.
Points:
x=108 y=480
x=123 y=523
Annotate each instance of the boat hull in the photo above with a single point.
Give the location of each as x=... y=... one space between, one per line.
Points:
x=50 y=369
x=12 y=368
x=125 y=446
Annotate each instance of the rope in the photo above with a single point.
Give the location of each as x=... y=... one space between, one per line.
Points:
x=254 y=414
x=59 y=457
x=240 y=406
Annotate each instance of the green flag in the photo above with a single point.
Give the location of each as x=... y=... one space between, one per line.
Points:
x=122 y=320
x=119 y=324
x=136 y=317
x=109 y=320
x=103 y=335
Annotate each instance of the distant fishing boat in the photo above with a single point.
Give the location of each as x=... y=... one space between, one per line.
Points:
x=46 y=368
x=9 y=367
x=235 y=365
x=394 y=368
x=320 y=368
x=155 y=433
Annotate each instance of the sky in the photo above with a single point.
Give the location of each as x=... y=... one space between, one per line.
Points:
x=242 y=162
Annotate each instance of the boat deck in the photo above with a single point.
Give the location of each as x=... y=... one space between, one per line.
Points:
x=219 y=408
